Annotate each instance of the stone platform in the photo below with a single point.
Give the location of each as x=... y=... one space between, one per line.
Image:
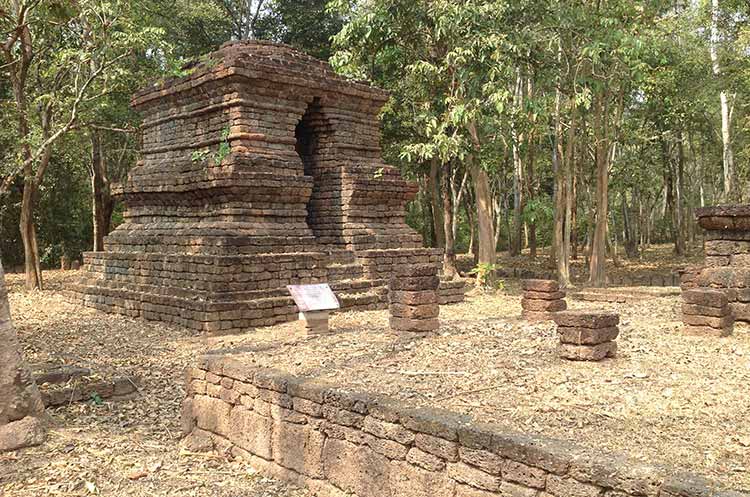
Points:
x=261 y=168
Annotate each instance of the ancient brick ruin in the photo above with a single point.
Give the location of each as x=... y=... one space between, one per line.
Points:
x=413 y=299
x=337 y=442
x=706 y=312
x=260 y=168
x=541 y=299
x=587 y=335
x=727 y=263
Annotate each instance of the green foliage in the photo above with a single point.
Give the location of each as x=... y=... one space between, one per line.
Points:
x=200 y=155
x=486 y=280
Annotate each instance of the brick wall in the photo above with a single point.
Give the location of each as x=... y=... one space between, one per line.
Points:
x=337 y=442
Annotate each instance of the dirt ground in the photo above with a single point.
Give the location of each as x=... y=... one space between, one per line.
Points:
x=657 y=259
x=126 y=448
x=666 y=398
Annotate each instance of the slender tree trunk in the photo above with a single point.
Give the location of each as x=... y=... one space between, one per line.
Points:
x=597 y=266
x=433 y=185
x=530 y=165
x=680 y=248
x=487 y=245
x=514 y=235
x=472 y=228
x=726 y=113
x=487 y=253
x=102 y=204
x=21 y=408
x=449 y=256
x=32 y=263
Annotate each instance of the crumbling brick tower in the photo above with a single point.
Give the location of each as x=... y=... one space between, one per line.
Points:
x=260 y=168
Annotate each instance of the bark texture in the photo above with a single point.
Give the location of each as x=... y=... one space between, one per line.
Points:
x=21 y=408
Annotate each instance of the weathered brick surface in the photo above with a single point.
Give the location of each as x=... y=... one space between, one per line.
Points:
x=371 y=446
x=413 y=299
x=587 y=352
x=543 y=305
x=587 y=319
x=587 y=336
x=705 y=297
x=541 y=299
x=707 y=312
x=540 y=285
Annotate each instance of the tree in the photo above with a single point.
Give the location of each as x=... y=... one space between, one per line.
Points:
x=54 y=53
x=22 y=422
x=725 y=105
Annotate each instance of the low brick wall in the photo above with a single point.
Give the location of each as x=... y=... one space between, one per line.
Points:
x=337 y=442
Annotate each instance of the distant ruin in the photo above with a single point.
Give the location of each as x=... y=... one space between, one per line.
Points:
x=260 y=168
x=727 y=263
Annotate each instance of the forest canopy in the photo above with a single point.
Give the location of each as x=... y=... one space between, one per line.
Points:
x=545 y=128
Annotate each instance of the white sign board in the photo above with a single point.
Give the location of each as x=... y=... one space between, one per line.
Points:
x=317 y=297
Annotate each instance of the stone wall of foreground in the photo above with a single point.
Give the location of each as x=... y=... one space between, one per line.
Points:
x=337 y=442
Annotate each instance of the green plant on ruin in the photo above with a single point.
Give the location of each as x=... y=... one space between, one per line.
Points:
x=224 y=147
x=199 y=155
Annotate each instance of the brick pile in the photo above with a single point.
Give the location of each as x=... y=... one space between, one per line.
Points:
x=413 y=299
x=706 y=312
x=260 y=168
x=451 y=291
x=335 y=441
x=727 y=263
x=541 y=299
x=586 y=335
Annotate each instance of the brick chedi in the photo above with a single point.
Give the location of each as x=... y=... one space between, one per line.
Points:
x=260 y=168
x=541 y=299
x=706 y=312
x=586 y=335
x=727 y=264
x=414 y=299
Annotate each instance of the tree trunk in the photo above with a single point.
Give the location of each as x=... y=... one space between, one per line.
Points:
x=449 y=256
x=562 y=161
x=21 y=408
x=487 y=253
x=32 y=263
x=103 y=204
x=472 y=229
x=597 y=266
x=433 y=185
x=679 y=200
x=726 y=113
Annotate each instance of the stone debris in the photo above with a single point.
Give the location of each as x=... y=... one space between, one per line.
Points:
x=587 y=336
x=541 y=299
x=414 y=299
x=261 y=168
x=706 y=312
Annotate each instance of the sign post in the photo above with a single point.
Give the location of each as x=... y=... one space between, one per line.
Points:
x=314 y=303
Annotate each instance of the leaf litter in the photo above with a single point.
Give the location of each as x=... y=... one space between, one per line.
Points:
x=666 y=398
